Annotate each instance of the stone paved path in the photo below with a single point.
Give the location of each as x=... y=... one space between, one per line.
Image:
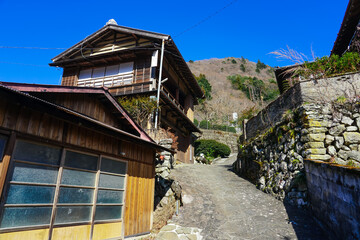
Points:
x=226 y=206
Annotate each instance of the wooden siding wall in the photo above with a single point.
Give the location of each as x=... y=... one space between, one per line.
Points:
x=139 y=198
x=183 y=150
x=140 y=184
x=90 y=106
x=70 y=77
x=172 y=73
x=27 y=121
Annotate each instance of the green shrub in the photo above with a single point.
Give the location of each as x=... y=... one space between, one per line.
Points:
x=242 y=68
x=260 y=65
x=204 y=124
x=191 y=61
x=270 y=94
x=243 y=60
x=205 y=86
x=219 y=127
x=328 y=66
x=211 y=148
x=233 y=61
x=196 y=122
x=232 y=129
x=271 y=80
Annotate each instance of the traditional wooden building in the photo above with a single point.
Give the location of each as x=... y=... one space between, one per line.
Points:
x=130 y=61
x=73 y=165
x=348 y=37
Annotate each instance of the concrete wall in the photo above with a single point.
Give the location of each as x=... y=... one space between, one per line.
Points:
x=228 y=138
x=335 y=197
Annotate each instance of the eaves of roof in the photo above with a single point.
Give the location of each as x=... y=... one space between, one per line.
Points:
x=106 y=28
x=27 y=88
x=348 y=27
x=66 y=113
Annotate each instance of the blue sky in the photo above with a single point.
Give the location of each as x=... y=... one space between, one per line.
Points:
x=245 y=28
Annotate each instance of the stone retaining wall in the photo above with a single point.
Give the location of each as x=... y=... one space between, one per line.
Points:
x=274 y=160
x=228 y=138
x=308 y=91
x=167 y=190
x=334 y=193
x=314 y=120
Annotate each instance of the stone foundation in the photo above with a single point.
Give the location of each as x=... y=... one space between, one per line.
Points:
x=167 y=191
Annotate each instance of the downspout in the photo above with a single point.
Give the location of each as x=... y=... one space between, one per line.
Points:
x=159 y=84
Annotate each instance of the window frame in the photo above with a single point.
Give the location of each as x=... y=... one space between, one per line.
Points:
x=54 y=205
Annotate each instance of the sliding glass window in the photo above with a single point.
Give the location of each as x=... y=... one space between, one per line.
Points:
x=51 y=186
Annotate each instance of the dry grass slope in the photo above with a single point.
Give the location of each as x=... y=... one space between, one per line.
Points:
x=226 y=100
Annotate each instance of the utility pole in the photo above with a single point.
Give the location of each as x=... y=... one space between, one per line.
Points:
x=159 y=84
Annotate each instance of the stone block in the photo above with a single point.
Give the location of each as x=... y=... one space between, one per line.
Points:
x=313 y=137
x=347 y=121
x=314 y=145
x=343 y=154
x=345 y=148
x=316 y=123
x=324 y=157
x=339 y=142
x=319 y=137
x=317 y=130
x=354 y=147
x=283 y=166
x=167 y=228
x=340 y=161
x=164 y=174
x=329 y=139
x=351 y=137
x=331 y=150
x=167 y=236
x=354 y=155
x=358 y=122
x=337 y=130
x=351 y=129
x=316 y=151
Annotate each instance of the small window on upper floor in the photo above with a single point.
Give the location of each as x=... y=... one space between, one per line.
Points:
x=110 y=76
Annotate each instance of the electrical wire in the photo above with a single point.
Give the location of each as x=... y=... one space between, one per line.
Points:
x=206 y=18
x=24 y=64
x=41 y=48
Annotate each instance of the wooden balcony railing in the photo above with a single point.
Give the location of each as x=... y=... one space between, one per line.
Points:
x=107 y=81
x=172 y=98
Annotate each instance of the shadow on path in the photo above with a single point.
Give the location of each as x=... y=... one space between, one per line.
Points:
x=301 y=219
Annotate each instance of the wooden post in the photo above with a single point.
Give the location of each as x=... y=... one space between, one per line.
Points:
x=244 y=129
x=4 y=165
